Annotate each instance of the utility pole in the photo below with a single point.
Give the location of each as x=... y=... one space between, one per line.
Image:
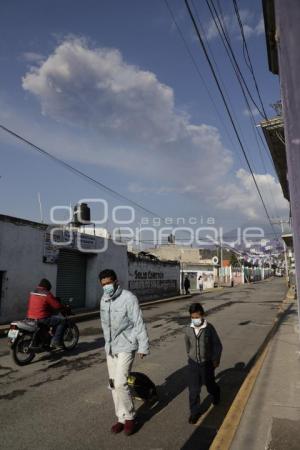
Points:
x=281 y=222
x=221 y=261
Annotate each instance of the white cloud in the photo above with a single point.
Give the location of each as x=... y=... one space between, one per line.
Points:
x=254 y=111
x=251 y=27
x=260 y=27
x=129 y=111
x=241 y=193
x=122 y=117
x=95 y=88
x=32 y=57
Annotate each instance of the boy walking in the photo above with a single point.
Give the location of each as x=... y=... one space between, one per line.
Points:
x=204 y=350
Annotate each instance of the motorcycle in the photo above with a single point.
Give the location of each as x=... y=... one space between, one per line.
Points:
x=29 y=337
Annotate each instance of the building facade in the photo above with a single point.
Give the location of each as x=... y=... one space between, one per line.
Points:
x=26 y=256
x=150 y=278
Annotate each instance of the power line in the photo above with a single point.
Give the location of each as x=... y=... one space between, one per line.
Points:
x=202 y=78
x=223 y=18
x=209 y=51
x=233 y=60
x=198 y=71
x=223 y=22
x=245 y=48
x=227 y=38
x=223 y=85
x=77 y=171
x=231 y=56
x=227 y=109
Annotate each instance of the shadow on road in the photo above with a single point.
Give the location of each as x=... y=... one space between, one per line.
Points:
x=230 y=381
x=167 y=392
x=82 y=347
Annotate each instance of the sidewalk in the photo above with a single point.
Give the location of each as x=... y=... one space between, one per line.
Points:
x=271 y=419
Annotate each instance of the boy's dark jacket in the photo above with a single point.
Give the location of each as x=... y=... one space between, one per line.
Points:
x=204 y=347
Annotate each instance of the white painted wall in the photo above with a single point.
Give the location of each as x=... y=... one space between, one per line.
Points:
x=208 y=277
x=21 y=257
x=145 y=285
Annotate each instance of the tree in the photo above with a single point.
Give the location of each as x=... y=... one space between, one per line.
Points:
x=233 y=260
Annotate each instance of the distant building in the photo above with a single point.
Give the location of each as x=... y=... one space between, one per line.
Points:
x=191 y=264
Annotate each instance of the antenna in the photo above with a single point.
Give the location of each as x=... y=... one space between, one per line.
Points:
x=40 y=206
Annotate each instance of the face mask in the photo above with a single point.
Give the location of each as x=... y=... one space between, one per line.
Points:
x=197 y=322
x=109 y=289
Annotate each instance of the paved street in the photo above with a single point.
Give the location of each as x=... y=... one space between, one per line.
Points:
x=62 y=401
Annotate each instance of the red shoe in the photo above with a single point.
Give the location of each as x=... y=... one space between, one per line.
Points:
x=129 y=427
x=117 y=427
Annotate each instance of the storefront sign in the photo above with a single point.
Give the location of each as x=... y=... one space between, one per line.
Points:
x=54 y=239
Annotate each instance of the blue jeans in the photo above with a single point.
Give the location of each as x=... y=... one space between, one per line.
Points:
x=59 y=325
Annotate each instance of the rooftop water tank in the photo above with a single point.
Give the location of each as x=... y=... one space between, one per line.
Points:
x=82 y=214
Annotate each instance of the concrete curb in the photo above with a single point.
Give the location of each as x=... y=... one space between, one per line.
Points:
x=229 y=427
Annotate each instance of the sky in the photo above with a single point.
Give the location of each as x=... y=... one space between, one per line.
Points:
x=109 y=87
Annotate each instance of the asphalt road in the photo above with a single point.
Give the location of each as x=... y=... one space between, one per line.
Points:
x=61 y=401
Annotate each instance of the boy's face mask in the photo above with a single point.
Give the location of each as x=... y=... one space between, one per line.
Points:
x=197 y=322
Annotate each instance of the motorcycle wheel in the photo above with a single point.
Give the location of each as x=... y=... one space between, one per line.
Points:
x=71 y=337
x=21 y=352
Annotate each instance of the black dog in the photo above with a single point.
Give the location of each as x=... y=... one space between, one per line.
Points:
x=142 y=387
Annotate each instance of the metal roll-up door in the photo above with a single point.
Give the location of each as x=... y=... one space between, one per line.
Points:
x=71 y=277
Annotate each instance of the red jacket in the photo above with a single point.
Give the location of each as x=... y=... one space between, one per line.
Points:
x=42 y=304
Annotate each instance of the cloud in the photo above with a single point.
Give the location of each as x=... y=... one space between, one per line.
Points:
x=95 y=88
x=32 y=57
x=242 y=194
x=254 y=111
x=260 y=27
x=118 y=116
x=251 y=27
x=128 y=111
x=238 y=194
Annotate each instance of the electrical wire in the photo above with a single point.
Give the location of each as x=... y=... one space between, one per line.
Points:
x=227 y=109
x=230 y=53
x=226 y=94
x=77 y=171
x=233 y=60
x=223 y=21
x=221 y=119
x=245 y=49
x=234 y=63
x=219 y=25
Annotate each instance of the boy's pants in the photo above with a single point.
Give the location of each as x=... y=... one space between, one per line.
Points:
x=198 y=375
x=119 y=367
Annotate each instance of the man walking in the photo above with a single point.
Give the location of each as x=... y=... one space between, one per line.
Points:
x=125 y=334
x=187 y=285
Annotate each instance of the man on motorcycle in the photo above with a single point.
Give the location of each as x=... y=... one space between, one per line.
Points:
x=43 y=306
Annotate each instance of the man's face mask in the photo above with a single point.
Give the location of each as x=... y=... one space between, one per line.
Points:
x=109 y=289
x=197 y=322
